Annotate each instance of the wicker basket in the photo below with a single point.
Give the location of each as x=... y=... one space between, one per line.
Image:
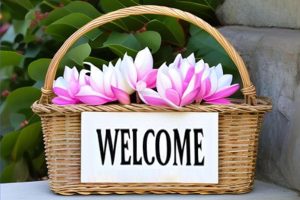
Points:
x=239 y=125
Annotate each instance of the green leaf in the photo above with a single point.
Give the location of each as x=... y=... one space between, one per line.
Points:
x=120 y=43
x=77 y=54
x=96 y=61
x=14 y=172
x=18 y=101
x=110 y=5
x=164 y=54
x=169 y=29
x=65 y=26
x=16 y=119
x=21 y=26
x=131 y=23
x=39 y=162
x=207 y=48
x=17 y=8
x=213 y=3
x=84 y=8
x=202 y=10
x=10 y=58
x=37 y=69
x=7 y=144
x=149 y=39
x=73 y=7
x=6 y=72
x=27 y=140
x=159 y=2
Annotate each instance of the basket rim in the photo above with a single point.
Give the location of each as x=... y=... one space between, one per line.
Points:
x=263 y=105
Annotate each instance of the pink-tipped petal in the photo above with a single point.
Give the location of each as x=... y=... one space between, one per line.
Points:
x=61 y=92
x=150 y=97
x=93 y=100
x=176 y=79
x=189 y=74
x=163 y=81
x=63 y=101
x=173 y=96
x=213 y=81
x=88 y=96
x=122 y=96
x=189 y=98
x=73 y=88
x=150 y=78
x=223 y=93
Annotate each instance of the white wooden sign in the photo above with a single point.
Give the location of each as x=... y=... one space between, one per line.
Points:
x=132 y=147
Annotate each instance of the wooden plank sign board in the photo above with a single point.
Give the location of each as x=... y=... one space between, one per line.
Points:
x=149 y=147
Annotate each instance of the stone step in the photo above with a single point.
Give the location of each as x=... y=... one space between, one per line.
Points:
x=40 y=190
x=273 y=59
x=269 y=13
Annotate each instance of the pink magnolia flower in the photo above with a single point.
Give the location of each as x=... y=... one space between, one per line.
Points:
x=67 y=87
x=141 y=69
x=98 y=90
x=105 y=86
x=177 y=85
x=215 y=86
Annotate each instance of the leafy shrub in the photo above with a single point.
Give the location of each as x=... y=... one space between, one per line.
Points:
x=32 y=31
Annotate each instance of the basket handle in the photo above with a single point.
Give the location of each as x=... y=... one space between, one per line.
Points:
x=248 y=88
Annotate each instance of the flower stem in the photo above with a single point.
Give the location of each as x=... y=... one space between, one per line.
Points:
x=138 y=100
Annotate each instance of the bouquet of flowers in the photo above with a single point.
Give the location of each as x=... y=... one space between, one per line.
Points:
x=182 y=82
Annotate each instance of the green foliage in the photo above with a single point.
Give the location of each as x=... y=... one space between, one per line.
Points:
x=33 y=30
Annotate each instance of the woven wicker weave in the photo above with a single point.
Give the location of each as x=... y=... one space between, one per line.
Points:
x=239 y=125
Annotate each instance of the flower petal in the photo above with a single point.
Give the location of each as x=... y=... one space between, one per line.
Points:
x=225 y=92
x=60 y=87
x=96 y=78
x=219 y=70
x=84 y=79
x=63 y=101
x=73 y=88
x=177 y=61
x=184 y=67
x=129 y=71
x=202 y=90
x=176 y=79
x=213 y=81
x=163 y=81
x=224 y=81
x=88 y=96
x=189 y=98
x=143 y=63
x=150 y=97
x=150 y=78
x=173 y=96
x=199 y=67
x=191 y=59
x=108 y=80
x=121 y=95
x=70 y=74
